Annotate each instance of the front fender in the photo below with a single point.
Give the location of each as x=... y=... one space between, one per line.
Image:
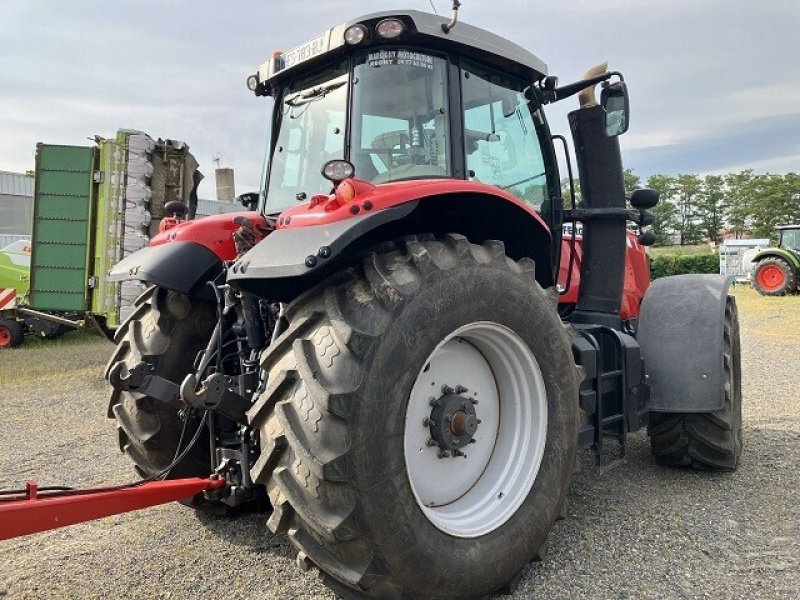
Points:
x=184 y=267
x=681 y=331
x=789 y=257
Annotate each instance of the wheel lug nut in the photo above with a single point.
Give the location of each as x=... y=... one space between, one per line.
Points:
x=446 y=389
x=431 y=442
x=443 y=454
x=479 y=421
x=428 y=422
x=472 y=441
x=460 y=389
x=434 y=401
x=473 y=400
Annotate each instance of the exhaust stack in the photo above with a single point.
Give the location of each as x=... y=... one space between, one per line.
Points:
x=602 y=187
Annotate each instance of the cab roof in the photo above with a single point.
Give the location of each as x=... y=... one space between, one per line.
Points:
x=423 y=29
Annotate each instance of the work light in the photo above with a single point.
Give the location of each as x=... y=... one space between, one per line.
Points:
x=355 y=34
x=389 y=29
x=338 y=170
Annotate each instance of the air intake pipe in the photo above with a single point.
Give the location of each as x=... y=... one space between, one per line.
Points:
x=604 y=234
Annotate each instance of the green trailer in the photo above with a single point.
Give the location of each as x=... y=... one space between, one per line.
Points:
x=93 y=205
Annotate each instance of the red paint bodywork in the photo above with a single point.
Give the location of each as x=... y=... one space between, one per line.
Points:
x=637 y=274
x=329 y=209
x=214 y=232
x=362 y=197
x=35 y=511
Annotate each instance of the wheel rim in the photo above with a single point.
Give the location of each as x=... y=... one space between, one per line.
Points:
x=5 y=336
x=470 y=496
x=771 y=277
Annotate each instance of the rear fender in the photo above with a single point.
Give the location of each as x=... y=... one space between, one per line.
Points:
x=681 y=332
x=292 y=259
x=184 y=267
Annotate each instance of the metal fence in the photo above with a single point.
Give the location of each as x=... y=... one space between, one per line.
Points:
x=735 y=257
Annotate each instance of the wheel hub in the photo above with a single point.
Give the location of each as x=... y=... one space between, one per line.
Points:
x=453 y=421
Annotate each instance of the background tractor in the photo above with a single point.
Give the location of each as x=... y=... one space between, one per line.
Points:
x=400 y=348
x=776 y=269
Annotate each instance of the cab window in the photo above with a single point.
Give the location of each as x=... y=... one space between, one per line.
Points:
x=501 y=139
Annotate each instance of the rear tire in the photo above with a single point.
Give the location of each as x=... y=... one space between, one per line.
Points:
x=774 y=277
x=707 y=441
x=11 y=334
x=333 y=420
x=167 y=330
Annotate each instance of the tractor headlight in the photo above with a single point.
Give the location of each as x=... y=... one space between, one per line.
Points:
x=355 y=34
x=390 y=29
x=252 y=83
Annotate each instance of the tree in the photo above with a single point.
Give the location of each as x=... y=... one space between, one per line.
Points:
x=688 y=188
x=739 y=201
x=710 y=207
x=632 y=180
x=666 y=213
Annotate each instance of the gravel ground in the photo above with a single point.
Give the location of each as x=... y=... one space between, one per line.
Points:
x=634 y=530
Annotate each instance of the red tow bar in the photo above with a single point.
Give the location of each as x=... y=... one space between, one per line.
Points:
x=34 y=511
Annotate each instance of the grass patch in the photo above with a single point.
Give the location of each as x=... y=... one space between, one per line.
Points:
x=773 y=316
x=41 y=359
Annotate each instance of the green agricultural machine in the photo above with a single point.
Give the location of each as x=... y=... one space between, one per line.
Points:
x=93 y=205
x=777 y=269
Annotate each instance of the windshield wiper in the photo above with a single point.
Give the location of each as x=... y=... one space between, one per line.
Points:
x=527 y=179
x=313 y=94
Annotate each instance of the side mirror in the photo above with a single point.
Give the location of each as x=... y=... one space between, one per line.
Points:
x=614 y=99
x=248 y=200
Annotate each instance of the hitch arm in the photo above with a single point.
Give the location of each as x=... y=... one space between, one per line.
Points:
x=34 y=511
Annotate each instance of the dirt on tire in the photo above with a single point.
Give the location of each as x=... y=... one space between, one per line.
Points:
x=334 y=407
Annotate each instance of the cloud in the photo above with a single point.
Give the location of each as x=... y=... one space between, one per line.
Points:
x=714 y=84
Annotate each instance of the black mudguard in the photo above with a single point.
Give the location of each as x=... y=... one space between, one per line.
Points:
x=290 y=260
x=184 y=267
x=681 y=332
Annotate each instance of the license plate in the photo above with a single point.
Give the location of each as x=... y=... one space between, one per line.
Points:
x=310 y=49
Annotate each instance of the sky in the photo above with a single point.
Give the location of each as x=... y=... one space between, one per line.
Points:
x=714 y=84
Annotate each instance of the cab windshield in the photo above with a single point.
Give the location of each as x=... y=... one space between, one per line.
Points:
x=400 y=124
x=399 y=128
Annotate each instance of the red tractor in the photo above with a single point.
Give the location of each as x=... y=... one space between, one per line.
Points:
x=400 y=348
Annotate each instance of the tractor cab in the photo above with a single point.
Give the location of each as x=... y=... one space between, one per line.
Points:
x=401 y=97
x=789 y=238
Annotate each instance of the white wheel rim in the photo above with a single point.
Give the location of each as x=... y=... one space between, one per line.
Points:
x=471 y=496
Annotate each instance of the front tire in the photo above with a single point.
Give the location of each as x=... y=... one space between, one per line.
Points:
x=335 y=430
